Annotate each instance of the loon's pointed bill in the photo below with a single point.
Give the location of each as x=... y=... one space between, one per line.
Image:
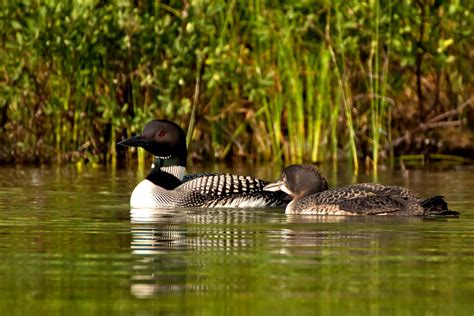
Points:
x=274 y=186
x=135 y=141
x=277 y=186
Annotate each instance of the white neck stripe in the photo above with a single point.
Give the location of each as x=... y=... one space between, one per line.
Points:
x=177 y=171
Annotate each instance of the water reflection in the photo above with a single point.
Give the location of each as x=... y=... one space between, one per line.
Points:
x=157 y=230
x=155 y=236
x=162 y=241
x=171 y=247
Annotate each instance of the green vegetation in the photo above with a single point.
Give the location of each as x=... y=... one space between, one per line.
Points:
x=267 y=80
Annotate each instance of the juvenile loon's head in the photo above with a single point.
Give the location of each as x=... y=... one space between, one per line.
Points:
x=299 y=181
x=164 y=139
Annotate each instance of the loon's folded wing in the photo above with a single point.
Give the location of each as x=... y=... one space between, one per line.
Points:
x=230 y=190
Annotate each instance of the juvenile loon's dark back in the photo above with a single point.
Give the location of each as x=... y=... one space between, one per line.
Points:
x=167 y=185
x=311 y=196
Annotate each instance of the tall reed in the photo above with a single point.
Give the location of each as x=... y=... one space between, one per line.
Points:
x=378 y=76
x=345 y=90
x=322 y=106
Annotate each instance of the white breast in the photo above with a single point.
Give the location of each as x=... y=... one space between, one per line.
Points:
x=143 y=196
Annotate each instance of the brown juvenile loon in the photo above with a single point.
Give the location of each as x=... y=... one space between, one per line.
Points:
x=311 y=195
x=166 y=185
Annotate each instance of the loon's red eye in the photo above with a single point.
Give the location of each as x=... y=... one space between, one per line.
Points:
x=162 y=133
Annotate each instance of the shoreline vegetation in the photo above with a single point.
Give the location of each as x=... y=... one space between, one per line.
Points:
x=362 y=81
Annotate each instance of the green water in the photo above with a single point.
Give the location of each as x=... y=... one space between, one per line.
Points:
x=69 y=246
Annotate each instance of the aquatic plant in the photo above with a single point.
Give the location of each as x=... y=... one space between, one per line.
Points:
x=266 y=80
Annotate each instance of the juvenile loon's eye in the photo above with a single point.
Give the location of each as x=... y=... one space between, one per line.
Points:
x=162 y=133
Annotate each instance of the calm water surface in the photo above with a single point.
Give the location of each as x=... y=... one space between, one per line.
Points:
x=69 y=245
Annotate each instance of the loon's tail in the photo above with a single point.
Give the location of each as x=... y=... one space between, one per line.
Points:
x=436 y=205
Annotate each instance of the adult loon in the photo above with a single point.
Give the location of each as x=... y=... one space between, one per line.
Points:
x=166 y=185
x=311 y=196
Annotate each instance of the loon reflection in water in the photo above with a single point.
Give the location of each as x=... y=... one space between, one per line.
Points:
x=169 y=244
x=161 y=238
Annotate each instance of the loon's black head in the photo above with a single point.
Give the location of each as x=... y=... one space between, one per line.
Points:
x=299 y=181
x=162 y=138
